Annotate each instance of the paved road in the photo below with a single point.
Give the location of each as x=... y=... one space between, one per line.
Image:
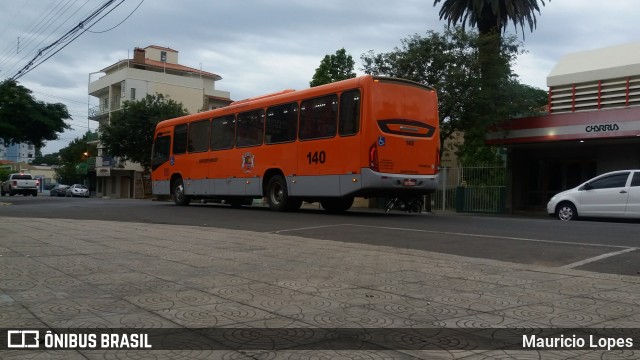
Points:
x=601 y=246
x=214 y=293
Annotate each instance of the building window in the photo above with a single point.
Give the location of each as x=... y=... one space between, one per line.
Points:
x=133 y=94
x=163 y=56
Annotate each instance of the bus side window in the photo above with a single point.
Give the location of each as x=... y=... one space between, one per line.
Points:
x=160 y=153
x=281 y=123
x=318 y=117
x=250 y=128
x=180 y=139
x=349 y=123
x=198 y=136
x=222 y=132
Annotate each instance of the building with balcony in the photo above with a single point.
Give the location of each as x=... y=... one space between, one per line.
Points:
x=592 y=127
x=152 y=70
x=19 y=152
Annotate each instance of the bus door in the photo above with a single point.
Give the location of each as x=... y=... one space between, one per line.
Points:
x=160 y=163
x=329 y=144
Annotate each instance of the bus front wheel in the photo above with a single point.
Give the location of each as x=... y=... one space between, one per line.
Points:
x=179 y=196
x=278 y=195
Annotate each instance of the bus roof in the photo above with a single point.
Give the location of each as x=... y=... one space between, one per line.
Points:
x=290 y=95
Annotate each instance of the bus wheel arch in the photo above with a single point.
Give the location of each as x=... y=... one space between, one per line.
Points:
x=276 y=191
x=177 y=191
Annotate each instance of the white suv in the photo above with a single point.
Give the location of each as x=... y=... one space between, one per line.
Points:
x=614 y=194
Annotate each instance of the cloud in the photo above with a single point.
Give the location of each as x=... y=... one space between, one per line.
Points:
x=262 y=46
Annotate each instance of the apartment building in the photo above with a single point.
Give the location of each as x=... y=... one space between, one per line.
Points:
x=18 y=153
x=152 y=70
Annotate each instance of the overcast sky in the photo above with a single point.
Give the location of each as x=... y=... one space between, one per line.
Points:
x=262 y=46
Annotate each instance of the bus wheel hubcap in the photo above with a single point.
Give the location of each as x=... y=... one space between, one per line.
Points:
x=277 y=193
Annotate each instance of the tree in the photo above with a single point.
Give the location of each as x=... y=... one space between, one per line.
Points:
x=491 y=18
x=24 y=119
x=71 y=158
x=449 y=63
x=49 y=159
x=334 y=68
x=130 y=132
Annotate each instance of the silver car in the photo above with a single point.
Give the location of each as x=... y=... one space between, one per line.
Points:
x=77 y=190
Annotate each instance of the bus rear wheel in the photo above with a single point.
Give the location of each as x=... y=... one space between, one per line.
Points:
x=179 y=197
x=278 y=195
x=335 y=205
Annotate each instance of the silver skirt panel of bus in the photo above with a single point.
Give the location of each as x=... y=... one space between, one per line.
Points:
x=367 y=183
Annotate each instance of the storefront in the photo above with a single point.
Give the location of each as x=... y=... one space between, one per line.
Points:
x=550 y=153
x=592 y=127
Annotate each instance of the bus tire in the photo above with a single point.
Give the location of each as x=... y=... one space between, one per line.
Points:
x=336 y=205
x=278 y=195
x=177 y=193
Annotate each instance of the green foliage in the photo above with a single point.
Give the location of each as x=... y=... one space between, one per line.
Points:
x=450 y=63
x=130 y=132
x=71 y=158
x=490 y=15
x=4 y=173
x=23 y=119
x=49 y=159
x=447 y=62
x=334 y=68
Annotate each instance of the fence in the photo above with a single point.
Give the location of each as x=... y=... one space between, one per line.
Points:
x=471 y=189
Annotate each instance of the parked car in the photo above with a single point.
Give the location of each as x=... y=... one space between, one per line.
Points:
x=77 y=190
x=614 y=194
x=59 y=190
x=24 y=184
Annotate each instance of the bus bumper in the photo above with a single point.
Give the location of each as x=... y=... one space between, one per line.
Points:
x=397 y=184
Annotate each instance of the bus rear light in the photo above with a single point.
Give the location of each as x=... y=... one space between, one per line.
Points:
x=373 y=157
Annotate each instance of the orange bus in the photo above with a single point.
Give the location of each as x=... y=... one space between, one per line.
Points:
x=364 y=137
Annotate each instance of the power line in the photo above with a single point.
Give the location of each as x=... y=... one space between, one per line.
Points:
x=40 y=28
x=67 y=38
x=120 y=23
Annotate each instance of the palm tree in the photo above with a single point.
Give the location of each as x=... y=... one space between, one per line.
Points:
x=490 y=15
x=491 y=18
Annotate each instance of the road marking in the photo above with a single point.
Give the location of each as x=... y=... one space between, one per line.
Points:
x=489 y=236
x=597 y=258
x=625 y=249
x=305 y=228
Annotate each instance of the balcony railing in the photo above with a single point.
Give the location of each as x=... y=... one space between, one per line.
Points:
x=97 y=112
